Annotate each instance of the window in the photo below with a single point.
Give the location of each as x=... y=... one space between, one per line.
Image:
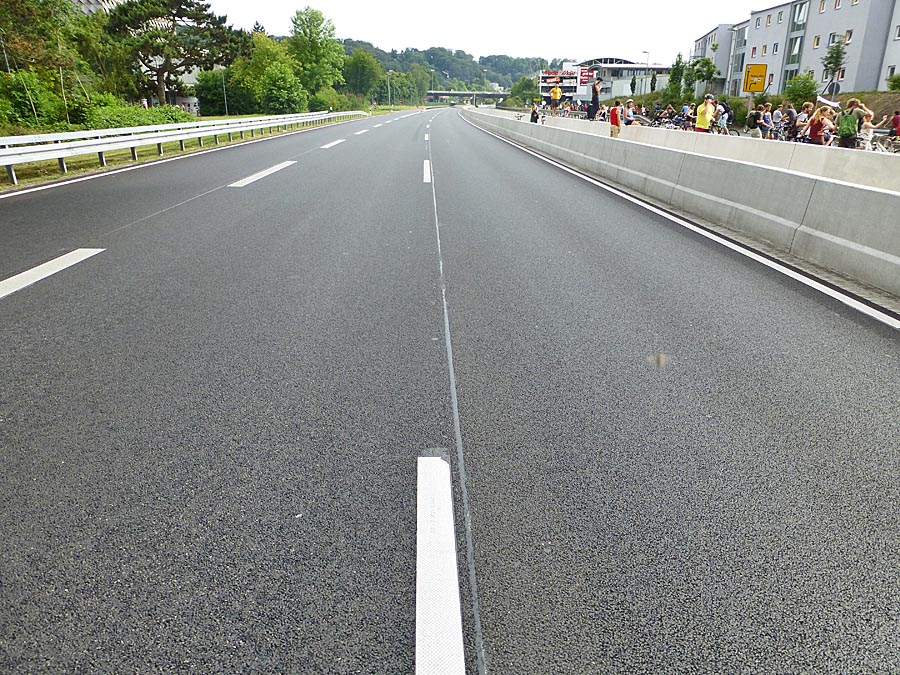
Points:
x=775 y=48
x=833 y=39
x=840 y=74
x=757 y=21
x=794 y=50
x=891 y=71
x=821 y=6
x=753 y=53
x=848 y=36
x=764 y=50
x=768 y=19
x=800 y=16
x=854 y=2
x=897 y=33
x=780 y=17
x=837 y=4
x=816 y=40
x=771 y=78
x=824 y=76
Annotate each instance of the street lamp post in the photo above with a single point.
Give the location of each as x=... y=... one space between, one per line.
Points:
x=646 y=73
x=390 y=105
x=224 y=93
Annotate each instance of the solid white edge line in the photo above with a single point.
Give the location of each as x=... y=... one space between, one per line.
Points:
x=853 y=303
x=439 y=638
x=262 y=174
x=332 y=144
x=427 y=171
x=49 y=268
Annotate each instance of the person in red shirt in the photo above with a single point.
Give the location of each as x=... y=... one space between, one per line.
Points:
x=895 y=123
x=615 y=119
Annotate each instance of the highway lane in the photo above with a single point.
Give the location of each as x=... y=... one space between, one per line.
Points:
x=677 y=461
x=210 y=430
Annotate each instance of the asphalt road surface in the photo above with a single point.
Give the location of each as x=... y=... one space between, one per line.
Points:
x=676 y=460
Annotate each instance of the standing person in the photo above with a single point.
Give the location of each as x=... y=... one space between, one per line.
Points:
x=849 y=123
x=790 y=121
x=895 y=123
x=705 y=114
x=819 y=125
x=616 y=116
x=802 y=120
x=765 y=126
x=535 y=115
x=594 y=110
x=867 y=133
x=555 y=96
x=754 y=119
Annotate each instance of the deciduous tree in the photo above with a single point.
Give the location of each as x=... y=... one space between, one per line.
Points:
x=168 y=38
x=318 y=54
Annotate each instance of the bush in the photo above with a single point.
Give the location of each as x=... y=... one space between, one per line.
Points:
x=107 y=112
x=19 y=92
x=893 y=83
x=513 y=102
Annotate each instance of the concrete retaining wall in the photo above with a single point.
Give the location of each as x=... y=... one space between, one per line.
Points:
x=852 y=229
x=873 y=169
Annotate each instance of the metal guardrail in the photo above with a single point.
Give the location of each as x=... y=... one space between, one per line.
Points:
x=42 y=147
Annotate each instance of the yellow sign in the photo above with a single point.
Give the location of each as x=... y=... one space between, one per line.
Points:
x=755 y=77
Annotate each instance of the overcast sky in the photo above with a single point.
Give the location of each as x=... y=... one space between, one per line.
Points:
x=547 y=29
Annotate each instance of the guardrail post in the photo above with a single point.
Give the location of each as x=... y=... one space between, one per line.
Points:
x=159 y=149
x=216 y=139
x=11 y=172
x=102 y=158
x=200 y=140
x=181 y=144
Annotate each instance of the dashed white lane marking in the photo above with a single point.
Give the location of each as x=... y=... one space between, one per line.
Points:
x=378 y=125
x=426 y=137
x=262 y=174
x=49 y=268
x=360 y=133
x=427 y=172
x=439 y=641
x=333 y=143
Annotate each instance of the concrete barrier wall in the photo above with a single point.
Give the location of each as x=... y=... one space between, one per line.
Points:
x=849 y=228
x=873 y=169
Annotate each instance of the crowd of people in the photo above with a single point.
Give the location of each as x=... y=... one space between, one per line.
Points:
x=825 y=125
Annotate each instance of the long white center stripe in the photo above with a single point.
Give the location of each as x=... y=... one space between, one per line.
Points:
x=439 y=640
x=333 y=143
x=262 y=174
x=49 y=268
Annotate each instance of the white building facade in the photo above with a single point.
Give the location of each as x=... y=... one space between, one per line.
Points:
x=792 y=37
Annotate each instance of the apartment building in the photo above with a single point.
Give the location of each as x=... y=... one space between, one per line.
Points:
x=717 y=46
x=792 y=37
x=92 y=6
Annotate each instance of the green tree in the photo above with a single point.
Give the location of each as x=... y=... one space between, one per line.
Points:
x=676 y=74
x=31 y=30
x=801 y=88
x=525 y=89
x=318 y=54
x=689 y=79
x=362 y=72
x=108 y=60
x=168 y=38
x=835 y=59
x=421 y=80
x=893 y=83
x=282 y=91
x=704 y=70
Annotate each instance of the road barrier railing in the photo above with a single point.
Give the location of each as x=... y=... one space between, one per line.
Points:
x=16 y=150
